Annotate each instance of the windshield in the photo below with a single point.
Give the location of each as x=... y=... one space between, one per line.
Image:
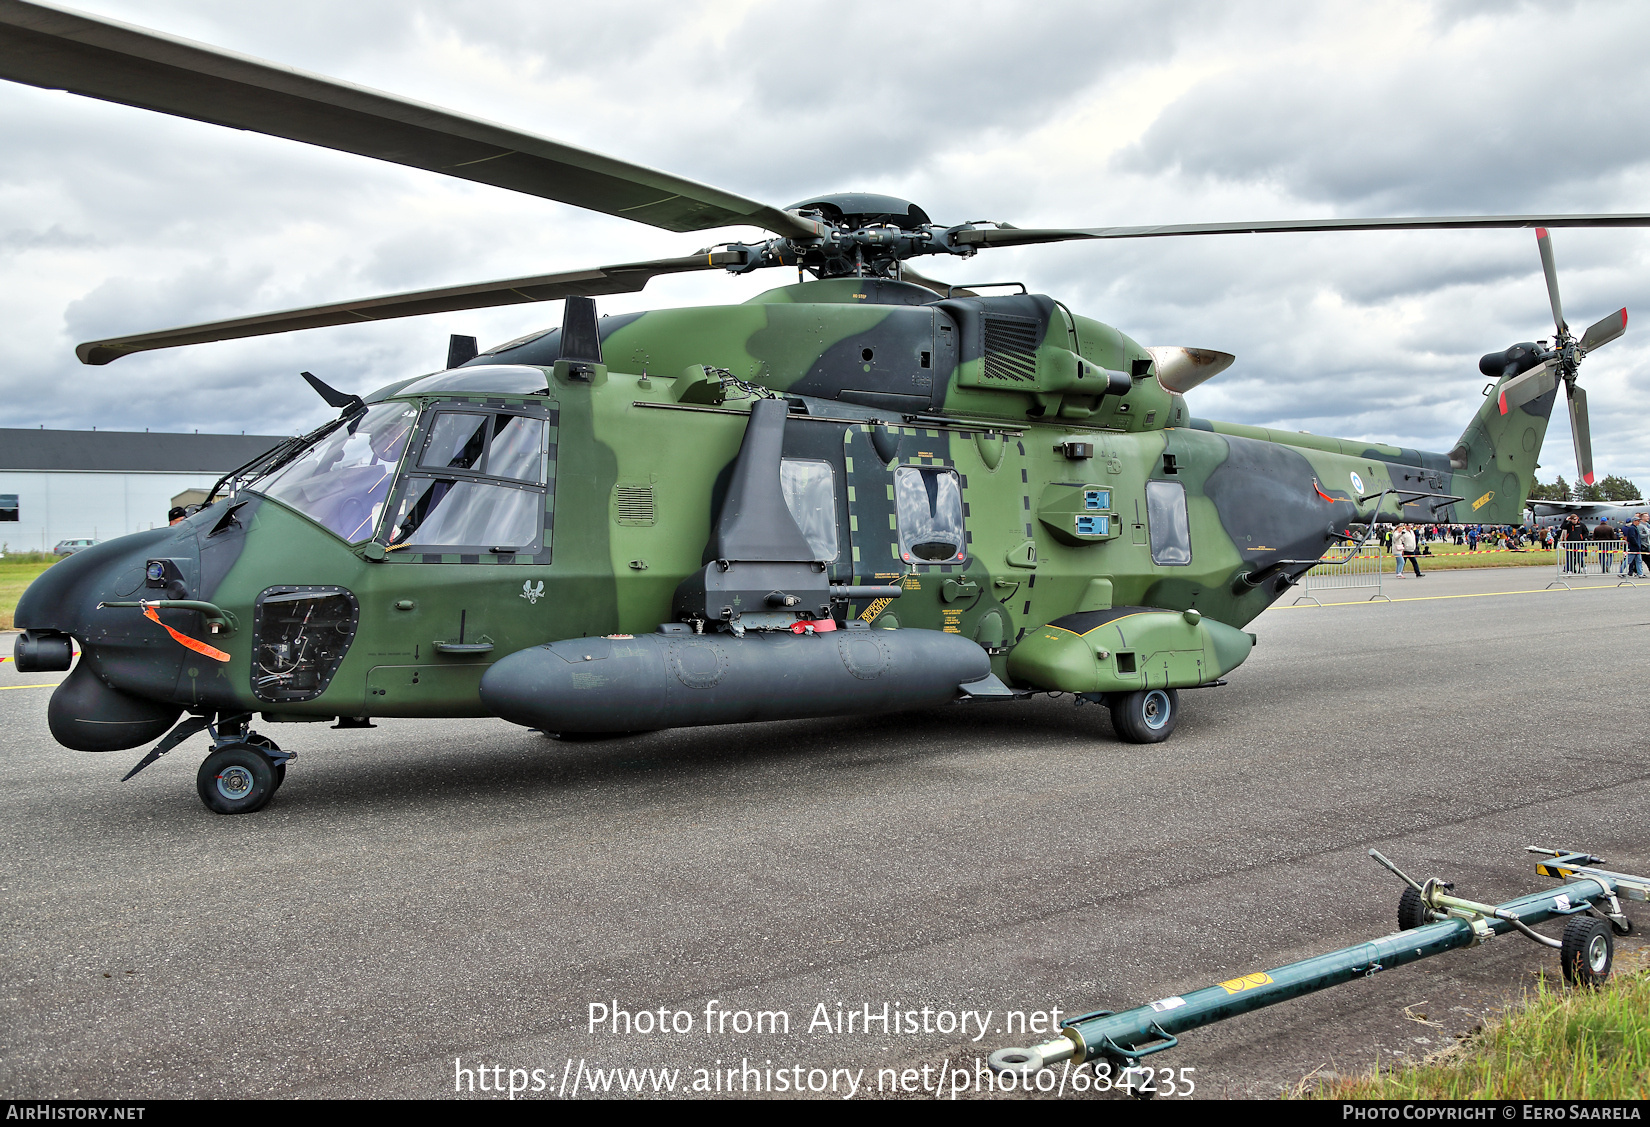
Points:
x=341 y=482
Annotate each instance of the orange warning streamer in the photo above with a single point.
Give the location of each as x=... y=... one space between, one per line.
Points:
x=184 y=639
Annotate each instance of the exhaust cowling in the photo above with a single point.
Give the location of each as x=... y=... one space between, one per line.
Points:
x=678 y=679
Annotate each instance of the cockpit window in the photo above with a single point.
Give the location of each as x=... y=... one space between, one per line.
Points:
x=518 y=449
x=479 y=485
x=447 y=515
x=342 y=481
x=457 y=441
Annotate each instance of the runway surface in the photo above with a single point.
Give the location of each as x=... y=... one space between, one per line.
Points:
x=434 y=892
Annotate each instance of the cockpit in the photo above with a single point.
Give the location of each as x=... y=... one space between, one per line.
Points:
x=457 y=477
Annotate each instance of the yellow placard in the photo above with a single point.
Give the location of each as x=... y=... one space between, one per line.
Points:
x=1247 y=982
x=876 y=608
x=1484 y=500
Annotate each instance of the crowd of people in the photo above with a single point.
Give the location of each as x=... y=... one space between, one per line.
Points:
x=1624 y=546
x=1628 y=559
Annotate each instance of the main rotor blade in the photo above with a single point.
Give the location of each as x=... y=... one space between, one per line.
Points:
x=1581 y=432
x=1015 y=236
x=1544 y=243
x=627 y=278
x=1604 y=330
x=1522 y=388
x=116 y=62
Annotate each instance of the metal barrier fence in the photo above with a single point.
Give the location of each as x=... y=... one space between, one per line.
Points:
x=1346 y=567
x=1581 y=560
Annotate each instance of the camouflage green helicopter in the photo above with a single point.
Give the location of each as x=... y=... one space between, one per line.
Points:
x=857 y=494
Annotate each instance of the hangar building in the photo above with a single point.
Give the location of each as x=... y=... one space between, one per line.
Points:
x=66 y=484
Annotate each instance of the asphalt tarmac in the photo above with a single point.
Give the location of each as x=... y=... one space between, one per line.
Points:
x=429 y=901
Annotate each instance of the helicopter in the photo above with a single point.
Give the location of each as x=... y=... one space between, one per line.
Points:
x=863 y=492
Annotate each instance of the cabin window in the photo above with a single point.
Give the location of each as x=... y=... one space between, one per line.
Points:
x=1166 y=516
x=810 y=494
x=929 y=506
x=341 y=482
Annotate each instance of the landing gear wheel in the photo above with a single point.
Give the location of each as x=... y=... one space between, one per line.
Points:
x=1412 y=910
x=1587 y=952
x=1145 y=716
x=236 y=779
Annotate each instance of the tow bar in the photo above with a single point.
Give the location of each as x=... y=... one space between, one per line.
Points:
x=1430 y=921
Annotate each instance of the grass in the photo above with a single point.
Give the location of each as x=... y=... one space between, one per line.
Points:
x=1453 y=557
x=1556 y=1044
x=17 y=571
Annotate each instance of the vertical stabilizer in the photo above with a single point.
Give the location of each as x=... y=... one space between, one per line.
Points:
x=1495 y=459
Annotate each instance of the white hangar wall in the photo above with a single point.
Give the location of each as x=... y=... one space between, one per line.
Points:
x=64 y=505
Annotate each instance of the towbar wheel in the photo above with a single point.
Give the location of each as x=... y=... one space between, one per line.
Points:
x=1587 y=951
x=1412 y=910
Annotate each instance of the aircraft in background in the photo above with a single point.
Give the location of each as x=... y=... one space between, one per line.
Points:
x=1544 y=513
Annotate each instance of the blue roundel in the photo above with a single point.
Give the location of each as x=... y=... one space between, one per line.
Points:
x=1357 y=483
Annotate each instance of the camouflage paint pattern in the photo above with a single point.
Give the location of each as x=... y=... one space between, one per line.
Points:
x=1010 y=393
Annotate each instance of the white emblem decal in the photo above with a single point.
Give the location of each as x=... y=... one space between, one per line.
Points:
x=532 y=593
x=1357 y=483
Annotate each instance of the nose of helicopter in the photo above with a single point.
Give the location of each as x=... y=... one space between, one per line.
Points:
x=64 y=598
x=118 y=695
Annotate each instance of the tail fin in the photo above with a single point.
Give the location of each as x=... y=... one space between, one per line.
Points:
x=1495 y=459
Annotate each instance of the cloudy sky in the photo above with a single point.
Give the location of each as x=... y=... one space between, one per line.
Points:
x=113 y=220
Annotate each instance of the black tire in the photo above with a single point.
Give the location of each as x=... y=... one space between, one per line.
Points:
x=237 y=779
x=1587 y=952
x=1145 y=716
x=1412 y=911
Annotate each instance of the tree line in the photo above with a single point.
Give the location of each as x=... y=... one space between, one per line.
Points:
x=1612 y=488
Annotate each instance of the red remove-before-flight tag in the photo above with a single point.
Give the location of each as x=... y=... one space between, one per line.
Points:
x=183 y=639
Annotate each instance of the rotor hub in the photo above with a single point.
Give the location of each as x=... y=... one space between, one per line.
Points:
x=865 y=235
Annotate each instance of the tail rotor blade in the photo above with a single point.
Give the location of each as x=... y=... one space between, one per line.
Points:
x=1532 y=384
x=1544 y=242
x=1582 y=433
x=1604 y=330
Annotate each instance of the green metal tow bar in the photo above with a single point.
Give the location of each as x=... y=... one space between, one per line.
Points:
x=1431 y=922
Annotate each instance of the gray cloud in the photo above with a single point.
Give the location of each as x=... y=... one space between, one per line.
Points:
x=113 y=220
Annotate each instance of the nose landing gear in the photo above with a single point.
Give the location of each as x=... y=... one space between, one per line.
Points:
x=243 y=770
x=242 y=774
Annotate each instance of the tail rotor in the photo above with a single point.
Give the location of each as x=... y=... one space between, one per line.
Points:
x=1562 y=362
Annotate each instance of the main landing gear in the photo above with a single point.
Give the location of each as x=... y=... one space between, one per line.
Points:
x=1145 y=716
